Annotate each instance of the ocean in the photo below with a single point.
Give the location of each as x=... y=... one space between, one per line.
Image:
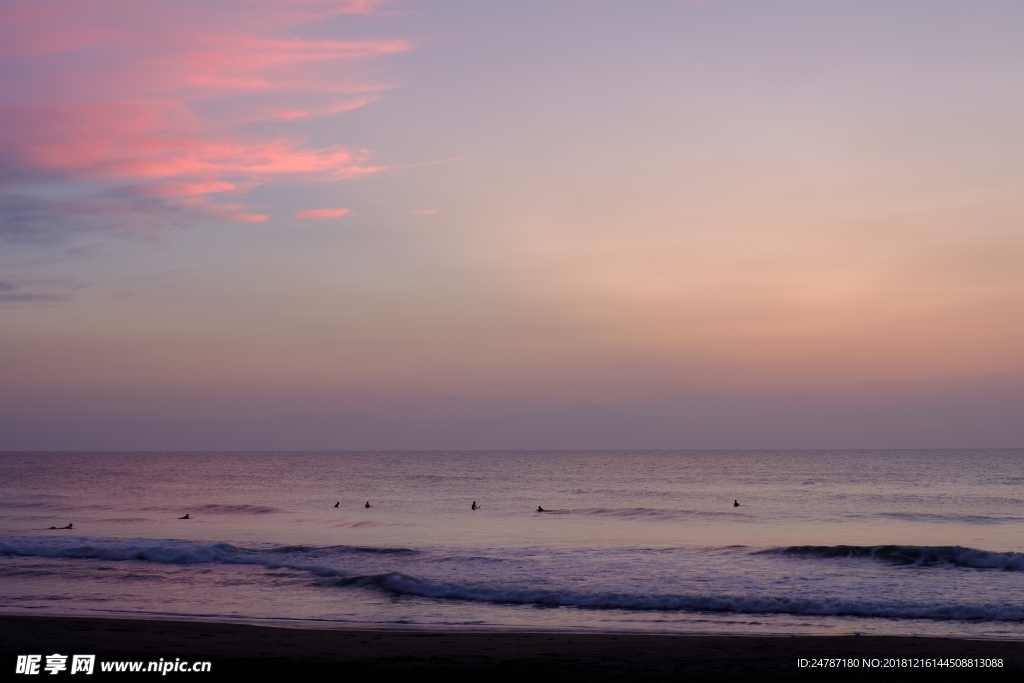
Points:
x=826 y=542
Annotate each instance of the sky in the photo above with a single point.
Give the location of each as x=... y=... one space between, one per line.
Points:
x=473 y=224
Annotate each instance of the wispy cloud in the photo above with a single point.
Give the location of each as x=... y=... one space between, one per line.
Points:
x=424 y=212
x=320 y=214
x=11 y=293
x=144 y=106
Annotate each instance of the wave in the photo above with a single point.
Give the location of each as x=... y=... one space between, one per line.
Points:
x=163 y=552
x=215 y=509
x=945 y=519
x=402 y=585
x=917 y=555
x=653 y=513
x=342 y=549
x=312 y=560
x=24 y=505
x=170 y=551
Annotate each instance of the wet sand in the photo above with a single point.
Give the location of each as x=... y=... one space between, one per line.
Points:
x=237 y=651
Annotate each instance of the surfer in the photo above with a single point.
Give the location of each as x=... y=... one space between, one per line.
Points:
x=185 y=517
x=66 y=527
x=474 y=505
x=735 y=503
x=367 y=505
x=540 y=509
x=337 y=504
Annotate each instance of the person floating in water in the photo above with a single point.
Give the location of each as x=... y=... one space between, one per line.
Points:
x=367 y=505
x=63 y=527
x=337 y=504
x=474 y=505
x=540 y=509
x=185 y=517
x=735 y=503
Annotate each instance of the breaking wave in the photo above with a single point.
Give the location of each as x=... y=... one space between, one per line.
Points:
x=325 y=566
x=402 y=585
x=917 y=555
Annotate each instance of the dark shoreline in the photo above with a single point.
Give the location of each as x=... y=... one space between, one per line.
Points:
x=238 y=650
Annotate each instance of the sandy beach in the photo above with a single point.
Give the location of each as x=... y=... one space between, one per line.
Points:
x=237 y=650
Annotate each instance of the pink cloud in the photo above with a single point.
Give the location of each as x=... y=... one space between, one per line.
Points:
x=247 y=217
x=159 y=97
x=320 y=214
x=424 y=212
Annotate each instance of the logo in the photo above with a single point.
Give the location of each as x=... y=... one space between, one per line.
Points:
x=31 y=664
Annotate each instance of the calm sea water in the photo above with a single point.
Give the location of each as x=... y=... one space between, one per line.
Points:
x=879 y=542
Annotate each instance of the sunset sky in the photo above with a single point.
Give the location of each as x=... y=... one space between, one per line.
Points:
x=420 y=224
